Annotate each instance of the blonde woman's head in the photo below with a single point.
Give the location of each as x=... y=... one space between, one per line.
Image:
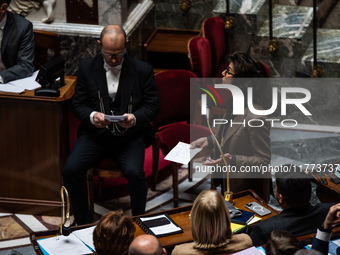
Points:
x=210 y=220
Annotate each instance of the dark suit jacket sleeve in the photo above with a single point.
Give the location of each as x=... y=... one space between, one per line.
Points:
x=18 y=52
x=150 y=107
x=319 y=245
x=257 y=236
x=259 y=138
x=81 y=98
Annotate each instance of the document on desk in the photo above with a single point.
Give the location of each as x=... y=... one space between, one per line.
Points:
x=11 y=88
x=182 y=153
x=64 y=245
x=86 y=235
x=19 y=86
x=28 y=83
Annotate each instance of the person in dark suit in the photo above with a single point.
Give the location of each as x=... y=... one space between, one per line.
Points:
x=299 y=217
x=324 y=232
x=111 y=83
x=17 y=45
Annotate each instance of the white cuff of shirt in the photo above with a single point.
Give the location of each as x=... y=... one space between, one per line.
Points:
x=91 y=117
x=323 y=236
x=1 y=79
x=135 y=119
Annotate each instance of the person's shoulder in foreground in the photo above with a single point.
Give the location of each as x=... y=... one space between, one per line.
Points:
x=237 y=243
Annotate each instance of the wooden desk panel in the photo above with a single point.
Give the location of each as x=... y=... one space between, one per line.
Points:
x=169 y=40
x=167 y=48
x=34 y=146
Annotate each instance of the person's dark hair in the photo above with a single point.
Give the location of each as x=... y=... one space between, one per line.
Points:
x=246 y=66
x=5 y=2
x=113 y=234
x=294 y=186
x=282 y=242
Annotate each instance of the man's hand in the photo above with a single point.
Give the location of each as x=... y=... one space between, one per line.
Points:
x=199 y=143
x=214 y=162
x=99 y=121
x=333 y=217
x=128 y=122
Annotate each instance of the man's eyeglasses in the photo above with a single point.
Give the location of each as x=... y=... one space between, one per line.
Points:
x=108 y=55
x=227 y=71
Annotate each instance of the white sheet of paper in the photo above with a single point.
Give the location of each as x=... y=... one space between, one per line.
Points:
x=86 y=235
x=28 y=83
x=11 y=88
x=182 y=153
x=64 y=245
x=115 y=118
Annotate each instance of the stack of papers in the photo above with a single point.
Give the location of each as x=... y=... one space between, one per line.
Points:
x=19 y=86
x=78 y=242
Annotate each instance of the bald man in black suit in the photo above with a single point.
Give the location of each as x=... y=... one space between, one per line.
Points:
x=111 y=83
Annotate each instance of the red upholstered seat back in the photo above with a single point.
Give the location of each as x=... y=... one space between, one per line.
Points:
x=200 y=56
x=267 y=69
x=213 y=30
x=174 y=97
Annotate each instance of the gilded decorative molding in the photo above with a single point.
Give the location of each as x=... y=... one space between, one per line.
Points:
x=186 y=5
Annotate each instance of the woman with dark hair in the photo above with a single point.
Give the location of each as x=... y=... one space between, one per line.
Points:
x=210 y=227
x=282 y=242
x=113 y=234
x=244 y=139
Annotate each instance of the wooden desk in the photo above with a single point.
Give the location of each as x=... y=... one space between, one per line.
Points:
x=180 y=216
x=167 y=48
x=34 y=145
x=330 y=192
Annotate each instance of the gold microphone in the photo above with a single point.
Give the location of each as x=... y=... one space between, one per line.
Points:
x=65 y=225
x=228 y=195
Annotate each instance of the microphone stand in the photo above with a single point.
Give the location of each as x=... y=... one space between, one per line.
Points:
x=65 y=226
x=228 y=195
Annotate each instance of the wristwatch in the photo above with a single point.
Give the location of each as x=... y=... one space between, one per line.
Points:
x=325 y=230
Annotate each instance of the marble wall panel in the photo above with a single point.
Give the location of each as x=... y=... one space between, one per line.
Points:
x=75 y=48
x=109 y=12
x=328 y=53
x=323 y=105
x=169 y=14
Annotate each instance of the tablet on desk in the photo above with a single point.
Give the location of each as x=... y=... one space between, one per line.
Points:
x=115 y=118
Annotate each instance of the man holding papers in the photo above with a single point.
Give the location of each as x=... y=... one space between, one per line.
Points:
x=112 y=83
